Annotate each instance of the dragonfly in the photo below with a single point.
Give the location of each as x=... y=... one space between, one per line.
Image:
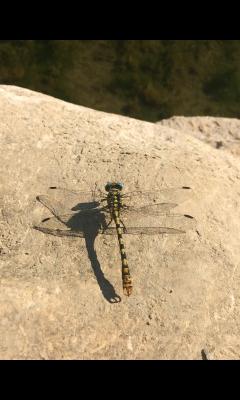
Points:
x=115 y=213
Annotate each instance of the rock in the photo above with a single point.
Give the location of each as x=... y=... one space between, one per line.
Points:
x=220 y=133
x=54 y=301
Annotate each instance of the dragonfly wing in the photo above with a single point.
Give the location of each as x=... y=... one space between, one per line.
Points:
x=78 y=224
x=144 y=230
x=82 y=227
x=171 y=224
x=150 y=209
x=57 y=209
x=73 y=200
x=156 y=220
x=171 y=195
x=60 y=232
x=64 y=214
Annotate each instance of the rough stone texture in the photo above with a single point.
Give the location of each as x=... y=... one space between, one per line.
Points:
x=186 y=299
x=220 y=133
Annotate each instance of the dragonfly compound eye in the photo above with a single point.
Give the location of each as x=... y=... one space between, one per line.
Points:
x=108 y=186
x=119 y=185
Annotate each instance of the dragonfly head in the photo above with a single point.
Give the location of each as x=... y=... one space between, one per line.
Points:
x=113 y=185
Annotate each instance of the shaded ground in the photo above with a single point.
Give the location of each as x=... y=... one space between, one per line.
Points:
x=145 y=79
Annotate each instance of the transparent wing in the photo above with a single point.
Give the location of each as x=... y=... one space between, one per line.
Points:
x=171 y=224
x=78 y=223
x=149 y=209
x=64 y=214
x=74 y=200
x=144 y=213
x=60 y=232
x=143 y=230
x=80 y=200
x=175 y=195
x=156 y=221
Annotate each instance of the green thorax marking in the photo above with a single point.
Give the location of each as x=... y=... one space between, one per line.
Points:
x=114 y=202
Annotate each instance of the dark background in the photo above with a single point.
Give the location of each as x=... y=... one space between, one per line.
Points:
x=145 y=79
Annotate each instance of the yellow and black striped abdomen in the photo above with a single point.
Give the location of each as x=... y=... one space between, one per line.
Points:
x=126 y=277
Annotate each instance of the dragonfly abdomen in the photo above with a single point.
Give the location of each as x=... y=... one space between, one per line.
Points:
x=126 y=277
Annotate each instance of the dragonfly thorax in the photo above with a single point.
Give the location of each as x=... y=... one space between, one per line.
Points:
x=114 y=200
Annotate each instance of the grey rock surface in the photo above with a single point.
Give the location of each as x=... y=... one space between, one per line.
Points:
x=54 y=299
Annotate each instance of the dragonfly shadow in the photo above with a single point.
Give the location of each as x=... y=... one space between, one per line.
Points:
x=90 y=227
x=85 y=206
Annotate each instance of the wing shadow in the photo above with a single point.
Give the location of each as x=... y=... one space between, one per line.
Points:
x=88 y=226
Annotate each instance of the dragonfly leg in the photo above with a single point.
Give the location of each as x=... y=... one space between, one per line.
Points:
x=124 y=227
x=104 y=229
x=105 y=208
